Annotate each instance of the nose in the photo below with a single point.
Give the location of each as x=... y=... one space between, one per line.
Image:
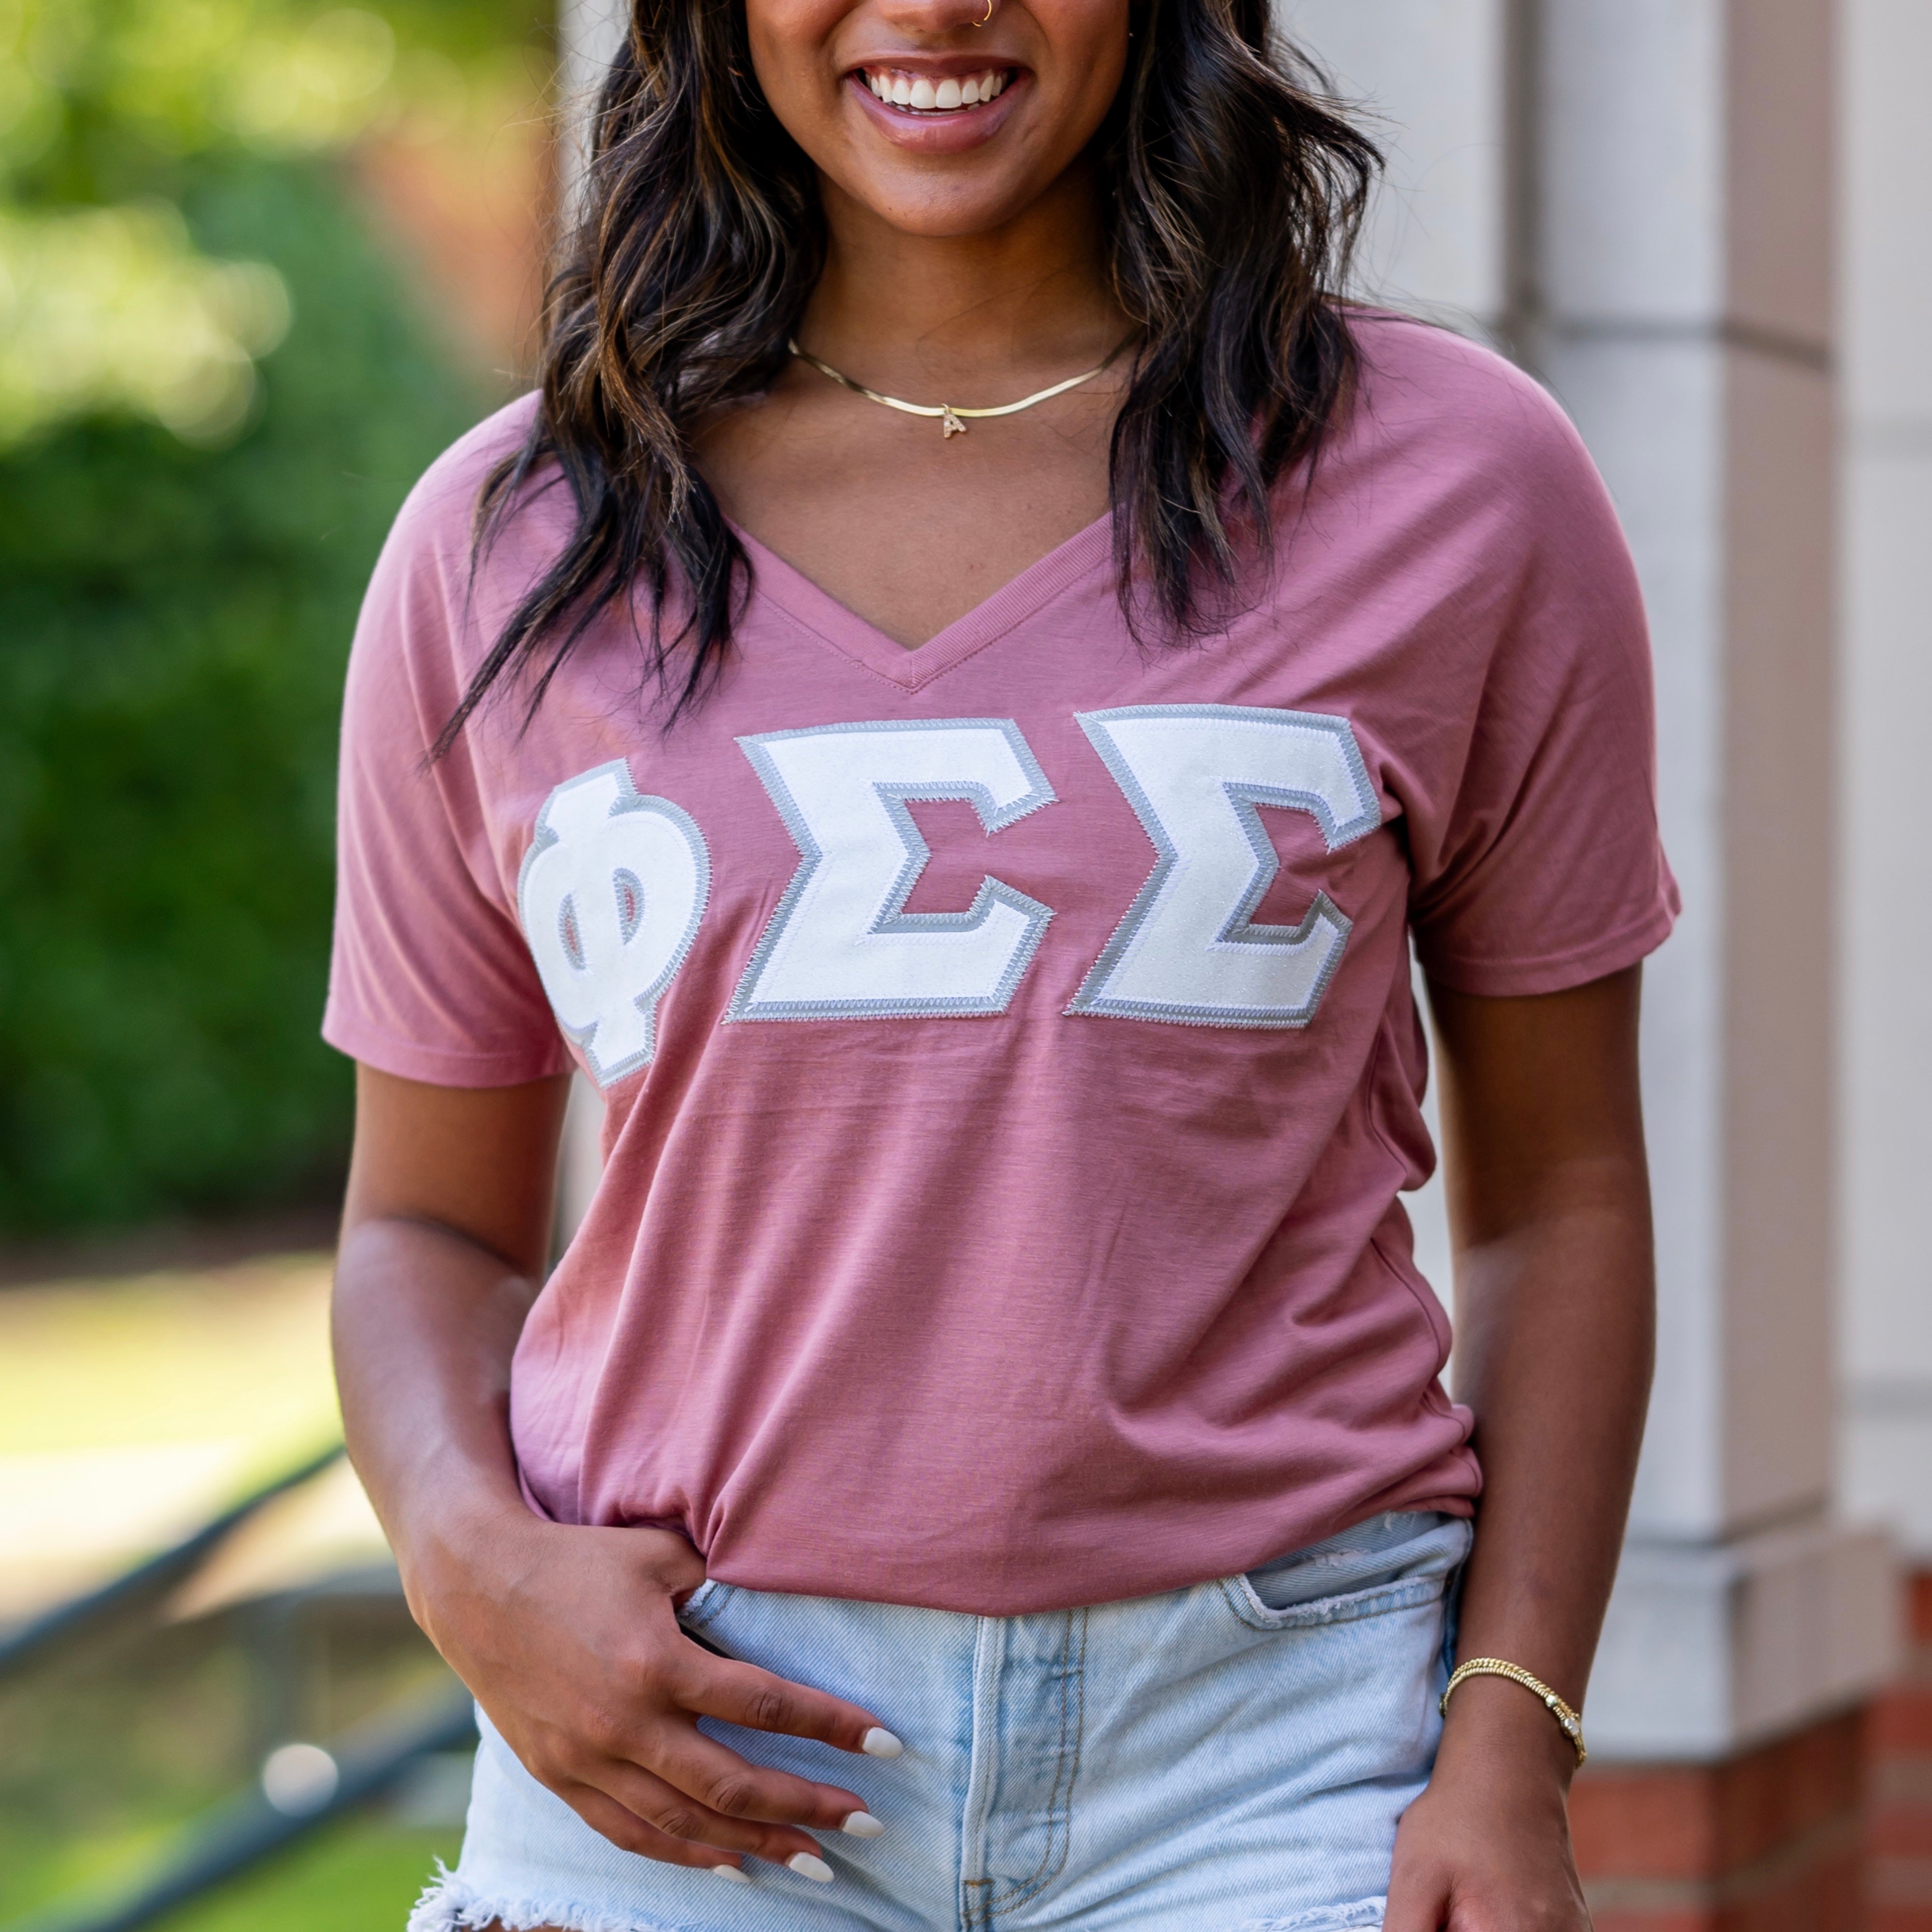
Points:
x=936 y=19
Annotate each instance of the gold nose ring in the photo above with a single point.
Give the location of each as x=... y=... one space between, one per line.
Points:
x=990 y=5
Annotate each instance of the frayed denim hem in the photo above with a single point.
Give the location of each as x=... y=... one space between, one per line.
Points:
x=1366 y=1916
x=449 y=1905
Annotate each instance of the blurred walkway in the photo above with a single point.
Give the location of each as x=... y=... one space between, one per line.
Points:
x=131 y=1409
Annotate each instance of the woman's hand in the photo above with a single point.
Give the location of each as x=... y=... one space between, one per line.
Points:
x=568 y=1638
x=1486 y=1847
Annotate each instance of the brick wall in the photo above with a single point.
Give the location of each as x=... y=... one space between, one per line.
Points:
x=1899 y=1752
x=1769 y=1841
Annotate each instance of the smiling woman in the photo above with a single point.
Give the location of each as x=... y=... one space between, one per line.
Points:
x=993 y=1366
x=1184 y=186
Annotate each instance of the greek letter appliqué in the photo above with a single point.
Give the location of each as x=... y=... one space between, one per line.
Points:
x=1188 y=951
x=610 y=895
x=840 y=945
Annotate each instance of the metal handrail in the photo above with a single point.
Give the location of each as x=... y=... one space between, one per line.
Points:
x=151 y=1577
x=247 y=1829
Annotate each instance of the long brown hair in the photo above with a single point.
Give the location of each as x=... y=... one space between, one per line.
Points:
x=1233 y=192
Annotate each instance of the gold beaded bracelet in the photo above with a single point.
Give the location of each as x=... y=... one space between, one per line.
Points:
x=1570 y=1722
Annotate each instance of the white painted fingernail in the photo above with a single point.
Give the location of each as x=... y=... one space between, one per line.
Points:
x=877 y=1743
x=806 y=1866
x=731 y=1872
x=862 y=1824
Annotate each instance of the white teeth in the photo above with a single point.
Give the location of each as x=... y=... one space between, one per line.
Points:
x=924 y=96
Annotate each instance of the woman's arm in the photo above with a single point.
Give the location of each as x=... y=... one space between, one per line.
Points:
x=1549 y=1207
x=566 y=1635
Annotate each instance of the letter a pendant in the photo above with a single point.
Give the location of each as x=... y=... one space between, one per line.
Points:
x=949 y=424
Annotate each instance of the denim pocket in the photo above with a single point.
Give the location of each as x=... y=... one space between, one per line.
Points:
x=1388 y=1563
x=703 y=1604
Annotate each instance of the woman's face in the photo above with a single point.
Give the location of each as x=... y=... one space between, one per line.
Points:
x=890 y=98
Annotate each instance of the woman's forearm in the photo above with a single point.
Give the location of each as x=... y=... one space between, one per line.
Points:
x=425 y=1322
x=446 y=1232
x=1550 y=1204
x=1555 y=1361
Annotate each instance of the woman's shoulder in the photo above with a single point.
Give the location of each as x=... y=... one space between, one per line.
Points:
x=1422 y=383
x=1445 y=418
x=440 y=510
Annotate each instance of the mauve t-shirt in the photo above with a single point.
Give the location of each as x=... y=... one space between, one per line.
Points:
x=1009 y=1062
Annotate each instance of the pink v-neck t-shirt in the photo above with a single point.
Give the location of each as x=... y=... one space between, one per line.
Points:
x=1009 y=1065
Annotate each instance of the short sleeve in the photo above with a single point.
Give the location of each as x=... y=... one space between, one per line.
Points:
x=430 y=978
x=1541 y=866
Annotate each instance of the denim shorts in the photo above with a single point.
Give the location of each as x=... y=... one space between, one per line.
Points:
x=1233 y=1757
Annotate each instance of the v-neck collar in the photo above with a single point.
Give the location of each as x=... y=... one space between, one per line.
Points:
x=848 y=633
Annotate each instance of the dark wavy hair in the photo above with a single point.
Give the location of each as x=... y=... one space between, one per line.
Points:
x=1232 y=189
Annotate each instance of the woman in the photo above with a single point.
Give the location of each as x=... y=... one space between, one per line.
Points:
x=965 y=788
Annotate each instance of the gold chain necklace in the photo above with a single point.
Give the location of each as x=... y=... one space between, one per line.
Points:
x=949 y=416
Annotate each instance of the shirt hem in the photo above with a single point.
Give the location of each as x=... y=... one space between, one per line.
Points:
x=436 y=1066
x=856 y=1579
x=1557 y=973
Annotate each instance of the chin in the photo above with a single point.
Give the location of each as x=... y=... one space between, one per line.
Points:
x=963 y=210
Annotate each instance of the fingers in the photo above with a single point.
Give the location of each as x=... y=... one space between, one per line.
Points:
x=741 y=1693
x=642 y=1811
x=626 y=1830
x=662 y=1810
x=1417 y=1901
x=723 y=1783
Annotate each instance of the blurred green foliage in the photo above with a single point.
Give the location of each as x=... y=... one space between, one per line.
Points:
x=98 y=98
x=177 y=589
x=360 y=1875
x=173 y=626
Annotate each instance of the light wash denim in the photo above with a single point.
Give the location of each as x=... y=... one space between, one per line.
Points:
x=1229 y=1758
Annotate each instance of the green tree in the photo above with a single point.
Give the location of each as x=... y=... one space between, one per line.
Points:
x=182 y=547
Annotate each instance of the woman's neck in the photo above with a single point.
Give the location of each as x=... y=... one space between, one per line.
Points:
x=1005 y=311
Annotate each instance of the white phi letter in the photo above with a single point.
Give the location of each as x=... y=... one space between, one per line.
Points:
x=611 y=892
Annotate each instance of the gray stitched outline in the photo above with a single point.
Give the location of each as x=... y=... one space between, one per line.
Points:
x=1235 y=931
x=1378 y=1600
x=567 y=935
x=1373 y=1599
x=628 y=800
x=891 y=918
x=631 y=905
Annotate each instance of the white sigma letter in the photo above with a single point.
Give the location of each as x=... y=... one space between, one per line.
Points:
x=1187 y=950
x=840 y=945
x=610 y=895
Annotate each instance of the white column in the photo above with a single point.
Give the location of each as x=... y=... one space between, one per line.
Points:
x=589 y=34
x=1684 y=252
x=1885 y=699
x=1659 y=246
x=1429 y=79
